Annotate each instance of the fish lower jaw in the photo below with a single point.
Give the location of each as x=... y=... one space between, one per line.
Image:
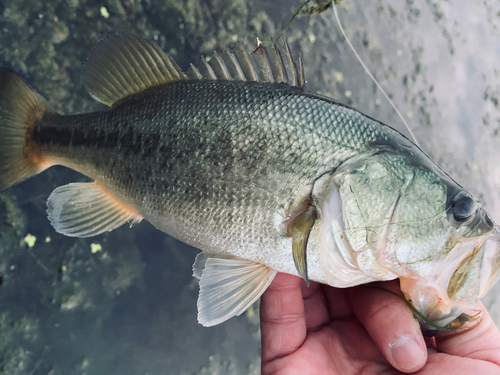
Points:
x=436 y=307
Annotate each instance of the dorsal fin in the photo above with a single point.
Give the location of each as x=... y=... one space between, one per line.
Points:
x=265 y=64
x=123 y=64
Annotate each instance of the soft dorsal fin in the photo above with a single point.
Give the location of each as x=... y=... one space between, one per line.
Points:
x=228 y=286
x=123 y=64
x=265 y=64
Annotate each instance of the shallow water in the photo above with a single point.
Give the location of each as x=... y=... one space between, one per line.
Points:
x=130 y=308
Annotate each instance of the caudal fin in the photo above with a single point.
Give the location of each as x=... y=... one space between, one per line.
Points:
x=20 y=108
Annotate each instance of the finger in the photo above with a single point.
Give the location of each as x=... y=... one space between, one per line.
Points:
x=440 y=363
x=336 y=303
x=314 y=306
x=479 y=339
x=282 y=319
x=390 y=324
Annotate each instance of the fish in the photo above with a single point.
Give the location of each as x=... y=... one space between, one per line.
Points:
x=236 y=158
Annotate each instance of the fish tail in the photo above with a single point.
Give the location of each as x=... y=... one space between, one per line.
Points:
x=20 y=109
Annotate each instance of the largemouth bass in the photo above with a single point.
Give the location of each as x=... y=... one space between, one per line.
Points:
x=236 y=158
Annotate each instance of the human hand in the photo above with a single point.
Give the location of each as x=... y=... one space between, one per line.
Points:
x=325 y=330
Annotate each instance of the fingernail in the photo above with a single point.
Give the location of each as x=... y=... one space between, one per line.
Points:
x=407 y=353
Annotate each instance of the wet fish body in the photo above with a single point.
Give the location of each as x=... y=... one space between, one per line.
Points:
x=262 y=176
x=213 y=163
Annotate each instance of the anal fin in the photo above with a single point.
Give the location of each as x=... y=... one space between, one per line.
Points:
x=228 y=286
x=86 y=210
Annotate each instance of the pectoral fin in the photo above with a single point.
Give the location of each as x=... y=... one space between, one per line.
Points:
x=299 y=229
x=228 y=286
x=86 y=209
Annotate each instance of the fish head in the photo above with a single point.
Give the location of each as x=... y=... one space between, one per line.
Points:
x=468 y=267
x=385 y=219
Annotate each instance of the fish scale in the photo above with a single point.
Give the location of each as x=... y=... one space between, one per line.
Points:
x=207 y=152
x=237 y=159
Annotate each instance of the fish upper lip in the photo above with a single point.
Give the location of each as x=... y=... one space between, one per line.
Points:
x=482 y=223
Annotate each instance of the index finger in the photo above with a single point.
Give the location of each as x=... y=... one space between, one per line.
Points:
x=391 y=325
x=283 y=323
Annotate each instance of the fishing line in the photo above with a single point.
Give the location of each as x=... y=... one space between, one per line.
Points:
x=453 y=326
x=369 y=74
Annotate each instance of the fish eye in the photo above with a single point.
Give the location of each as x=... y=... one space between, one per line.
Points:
x=462 y=207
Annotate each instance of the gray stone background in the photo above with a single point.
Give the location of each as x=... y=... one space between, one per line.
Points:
x=130 y=308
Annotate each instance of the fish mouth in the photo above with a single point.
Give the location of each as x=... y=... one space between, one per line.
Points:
x=435 y=309
x=464 y=320
x=456 y=283
x=431 y=329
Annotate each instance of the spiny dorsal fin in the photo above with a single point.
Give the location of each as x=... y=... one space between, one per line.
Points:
x=124 y=64
x=265 y=64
